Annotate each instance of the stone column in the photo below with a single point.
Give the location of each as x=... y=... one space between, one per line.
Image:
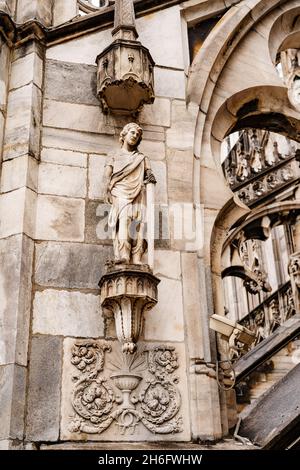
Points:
x=204 y=393
x=18 y=194
x=4 y=70
x=41 y=10
x=64 y=11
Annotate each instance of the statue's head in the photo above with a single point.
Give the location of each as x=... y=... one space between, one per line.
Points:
x=127 y=128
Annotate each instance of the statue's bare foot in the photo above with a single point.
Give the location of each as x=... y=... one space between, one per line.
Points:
x=121 y=261
x=137 y=260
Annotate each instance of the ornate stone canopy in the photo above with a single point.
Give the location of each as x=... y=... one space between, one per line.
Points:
x=125 y=68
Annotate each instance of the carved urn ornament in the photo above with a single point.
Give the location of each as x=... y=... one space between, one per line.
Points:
x=125 y=68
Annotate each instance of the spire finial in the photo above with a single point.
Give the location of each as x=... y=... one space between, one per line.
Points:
x=124 y=27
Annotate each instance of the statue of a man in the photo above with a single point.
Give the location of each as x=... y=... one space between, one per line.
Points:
x=127 y=172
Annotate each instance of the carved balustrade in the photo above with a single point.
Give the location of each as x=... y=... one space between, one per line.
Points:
x=271 y=313
x=254 y=170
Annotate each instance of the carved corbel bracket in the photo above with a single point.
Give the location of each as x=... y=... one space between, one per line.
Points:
x=254 y=281
x=127 y=293
x=201 y=367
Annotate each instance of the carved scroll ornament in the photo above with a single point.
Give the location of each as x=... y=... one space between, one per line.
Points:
x=125 y=397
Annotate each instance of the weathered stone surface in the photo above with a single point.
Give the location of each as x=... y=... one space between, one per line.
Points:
x=180 y=175
x=19 y=172
x=96 y=223
x=31 y=9
x=273 y=414
x=67 y=314
x=266 y=348
x=161 y=193
x=8 y=6
x=9 y=444
x=191 y=302
x=25 y=70
x=167 y=26
x=82 y=78
x=22 y=135
x=80 y=141
x=114 y=432
x=213 y=199
x=62 y=180
x=70 y=265
x=17 y=213
x=83 y=50
x=64 y=157
x=154 y=133
x=29 y=47
x=60 y=218
x=225 y=444
x=4 y=69
x=165 y=320
x=186 y=226
x=43 y=412
x=78 y=117
x=97 y=181
x=167 y=264
x=152 y=149
x=205 y=408
x=169 y=83
x=2 y=122
x=16 y=255
x=182 y=131
x=12 y=401
x=64 y=11
x=162 y=227
x=158 y=113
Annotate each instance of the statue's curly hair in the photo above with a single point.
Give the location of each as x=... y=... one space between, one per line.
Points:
x=127 y=128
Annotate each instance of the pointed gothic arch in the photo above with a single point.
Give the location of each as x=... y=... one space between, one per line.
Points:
x=233 y=93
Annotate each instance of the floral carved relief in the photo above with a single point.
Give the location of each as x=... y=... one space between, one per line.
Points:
x=127 y=390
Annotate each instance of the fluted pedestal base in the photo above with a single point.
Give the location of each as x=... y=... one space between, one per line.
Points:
x=127 y=292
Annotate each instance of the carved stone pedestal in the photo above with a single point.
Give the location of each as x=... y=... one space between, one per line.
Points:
x=127 y=291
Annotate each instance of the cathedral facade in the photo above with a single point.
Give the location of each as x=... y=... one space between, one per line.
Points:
x=191 y=335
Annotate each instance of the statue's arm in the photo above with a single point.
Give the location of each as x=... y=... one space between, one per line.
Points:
x=149 y=176
x=108 y=173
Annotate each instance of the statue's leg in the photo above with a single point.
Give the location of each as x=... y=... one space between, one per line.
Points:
x=115 y=239
x=124 y=244
x=138 y=248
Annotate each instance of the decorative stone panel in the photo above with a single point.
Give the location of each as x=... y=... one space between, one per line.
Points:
x=109 y=396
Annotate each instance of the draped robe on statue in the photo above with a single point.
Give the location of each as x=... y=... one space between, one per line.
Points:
x=128 y=202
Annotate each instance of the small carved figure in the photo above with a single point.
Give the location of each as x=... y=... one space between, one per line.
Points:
x=242 y=163
x=255 y=154
x=271 y=157
x=127 y=173
x=260 y=326
x=290 y=61
x=274 y=315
